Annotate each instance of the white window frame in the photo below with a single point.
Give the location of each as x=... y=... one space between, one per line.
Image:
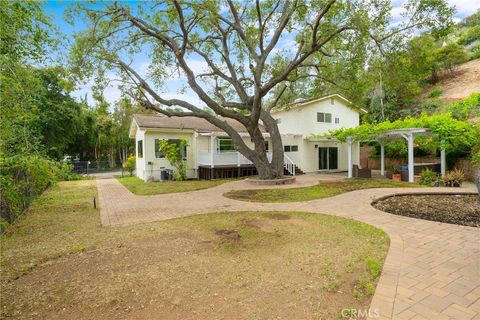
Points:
x=288 y=148
x=324 y=117
x=218 y=145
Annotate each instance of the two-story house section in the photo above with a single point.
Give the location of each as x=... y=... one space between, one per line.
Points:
x=297 y=123
x=211 y=154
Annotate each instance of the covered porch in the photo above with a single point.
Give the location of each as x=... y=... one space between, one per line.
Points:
x=221 y=160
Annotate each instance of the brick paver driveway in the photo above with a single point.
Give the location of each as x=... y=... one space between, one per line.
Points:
x=432 y=270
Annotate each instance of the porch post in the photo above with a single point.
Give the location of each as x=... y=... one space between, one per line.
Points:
x=349 y=156
x=410 y=140
x=382 y=158
x=442 y=158
x=238 y=159
x=212 y=147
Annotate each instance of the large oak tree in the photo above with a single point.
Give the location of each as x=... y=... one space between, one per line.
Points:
x=253 y=52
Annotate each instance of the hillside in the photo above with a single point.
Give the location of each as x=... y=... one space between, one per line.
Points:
x=465 y=80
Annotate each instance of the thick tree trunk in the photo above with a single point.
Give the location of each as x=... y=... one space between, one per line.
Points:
x=266 y=170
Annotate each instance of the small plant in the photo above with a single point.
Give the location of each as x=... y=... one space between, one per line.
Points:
x=130 y=164
x=437 y=92
x=396 y=170
x=373 y=267
x=454 y=178
x=428 y=177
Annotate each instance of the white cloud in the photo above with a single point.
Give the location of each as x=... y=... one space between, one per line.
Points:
x=465 y=7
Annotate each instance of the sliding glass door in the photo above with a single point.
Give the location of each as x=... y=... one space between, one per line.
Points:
x=328 y=158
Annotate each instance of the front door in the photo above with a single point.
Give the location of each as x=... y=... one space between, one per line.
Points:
x=328 y=158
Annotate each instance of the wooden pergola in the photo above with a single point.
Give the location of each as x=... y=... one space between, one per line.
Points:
x=408 y=134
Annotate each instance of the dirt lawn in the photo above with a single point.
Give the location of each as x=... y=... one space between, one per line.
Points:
x=59 y=263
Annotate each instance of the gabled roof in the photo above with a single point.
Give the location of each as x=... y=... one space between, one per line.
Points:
x=305 y=102
x=183 y=123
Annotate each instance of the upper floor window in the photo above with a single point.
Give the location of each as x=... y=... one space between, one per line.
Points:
x=337 y=120
x=324 y=117
x=225 y=144
x=332 y=101
x=266 y=145
x=293 y=148
x=140 y=149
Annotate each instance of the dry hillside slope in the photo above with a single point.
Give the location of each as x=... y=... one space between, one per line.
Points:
x=465 y=81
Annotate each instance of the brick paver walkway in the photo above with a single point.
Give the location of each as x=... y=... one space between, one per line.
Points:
x=432 y=270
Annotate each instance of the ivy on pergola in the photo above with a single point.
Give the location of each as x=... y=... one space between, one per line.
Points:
x=455 y=134
x=444 y=132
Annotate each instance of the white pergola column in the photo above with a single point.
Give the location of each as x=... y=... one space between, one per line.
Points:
x=382 y=158
x=410 y=140
x=212 y=148
x=349 y=156
x=443 y=163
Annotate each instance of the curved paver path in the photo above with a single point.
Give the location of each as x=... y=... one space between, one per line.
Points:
x=432 y=269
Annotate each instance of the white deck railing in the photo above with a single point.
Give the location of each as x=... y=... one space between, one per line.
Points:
x=234 y=158
x=226 y=158
x=289 y=164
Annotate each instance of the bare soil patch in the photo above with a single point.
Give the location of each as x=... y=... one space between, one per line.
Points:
x=464 y=81
x=279 y=216
x=462 y=209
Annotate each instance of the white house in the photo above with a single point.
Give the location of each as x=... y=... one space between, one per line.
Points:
x=211 y=153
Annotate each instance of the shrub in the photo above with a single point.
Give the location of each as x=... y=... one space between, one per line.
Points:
x=64 y=172
x=472 y=35
x=175 y=155
x=428 y=177
x=437 y=92
x=130 y=164
x=454 y=178
x=22 y=179
x=466 y=108
x=451 y=55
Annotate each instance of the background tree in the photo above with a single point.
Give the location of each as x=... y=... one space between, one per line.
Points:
x=248 y=68
x=451 y=55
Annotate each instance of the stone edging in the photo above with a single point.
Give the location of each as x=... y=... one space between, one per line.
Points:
x=273 y=182
x=462 y=193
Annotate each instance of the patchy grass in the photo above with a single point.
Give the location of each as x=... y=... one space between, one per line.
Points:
x=322 y=190
x=57 y=262
x=142 y=188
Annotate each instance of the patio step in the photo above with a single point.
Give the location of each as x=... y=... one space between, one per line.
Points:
x=298 y=171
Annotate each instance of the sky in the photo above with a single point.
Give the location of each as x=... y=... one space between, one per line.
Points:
x=56 y=10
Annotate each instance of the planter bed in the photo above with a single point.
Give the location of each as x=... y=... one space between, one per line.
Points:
x=456 y=208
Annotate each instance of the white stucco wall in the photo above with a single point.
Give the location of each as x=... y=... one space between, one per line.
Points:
x=153 y=169
x=303 y=120
x=299 y=124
